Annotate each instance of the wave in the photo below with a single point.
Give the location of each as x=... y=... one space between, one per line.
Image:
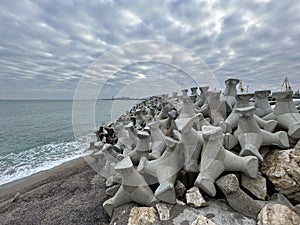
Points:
x=14 y=166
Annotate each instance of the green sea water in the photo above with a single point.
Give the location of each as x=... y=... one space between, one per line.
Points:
x=36 y=135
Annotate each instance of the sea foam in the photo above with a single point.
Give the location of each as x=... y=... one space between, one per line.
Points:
x=14 y=166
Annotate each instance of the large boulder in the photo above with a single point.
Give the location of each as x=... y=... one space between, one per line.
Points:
x=283 y=170
x=276 y=214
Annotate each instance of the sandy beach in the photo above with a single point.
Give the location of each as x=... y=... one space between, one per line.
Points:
x=71 y=193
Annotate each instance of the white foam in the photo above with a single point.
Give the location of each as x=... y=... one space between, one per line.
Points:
x=19 y=165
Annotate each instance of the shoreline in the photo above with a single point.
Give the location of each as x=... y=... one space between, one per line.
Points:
x=39 y=178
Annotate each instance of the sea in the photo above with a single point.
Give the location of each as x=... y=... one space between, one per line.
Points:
x=37 y=135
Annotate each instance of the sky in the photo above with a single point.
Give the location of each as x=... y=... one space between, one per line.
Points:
x=61 y=49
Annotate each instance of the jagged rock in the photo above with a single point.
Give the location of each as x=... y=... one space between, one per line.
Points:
x=238 y=199
x=163 y=211
x=257 y=186
x=283 y=170
x=276 y=214
x=179 y=189
x=217 y=211
x=202 y=220
x=278 y=198
x=142 y=216
x=194 y=198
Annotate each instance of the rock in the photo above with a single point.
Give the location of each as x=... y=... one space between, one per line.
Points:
x=283 y=170
x=297 y=146
x=202 y=220
x=278 y=198
x=296 y=209
x=179 y=189
x=218 y=211
x=163 y=211
x=276 y=214
x=110 y=181
x=238 y=199
x=257 y=186
x=178 y=202
x=142 y=216
x=194 y=198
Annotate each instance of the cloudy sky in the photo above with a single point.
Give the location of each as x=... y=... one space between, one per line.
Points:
x=47 y=48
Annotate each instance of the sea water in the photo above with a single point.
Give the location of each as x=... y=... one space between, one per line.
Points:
x=37 y=135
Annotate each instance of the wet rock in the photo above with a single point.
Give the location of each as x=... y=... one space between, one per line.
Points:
x=283 y=170
x=142 y=216
x=238 y=199
x=202 y=220
x=163 y=211
x=194 y=198
x=257 y=186
x=276 y=214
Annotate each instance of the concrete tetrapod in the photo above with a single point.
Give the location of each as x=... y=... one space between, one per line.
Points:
x=142 y=148
x=133 y=188
x=158 y=144
x=230 y=92
x=164 y=110
x=251 y=137
x=215 y=159
x=262 y=104
x=215 y=106
x=108 y=156
x=123 y=144
x=194 y=95
x=132 y=134
x=165 y=169
x=168 y=125
x=192 y=142
x=231 y=121
x=202 y=98
x=286 y=113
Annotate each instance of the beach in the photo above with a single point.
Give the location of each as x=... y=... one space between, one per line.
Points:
x=71 y=193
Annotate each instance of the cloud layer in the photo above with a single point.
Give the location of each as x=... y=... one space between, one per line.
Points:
x=47 y=46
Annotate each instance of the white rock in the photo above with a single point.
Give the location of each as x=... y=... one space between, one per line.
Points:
x=194 y=198
x=163 y=211
x=142 y=216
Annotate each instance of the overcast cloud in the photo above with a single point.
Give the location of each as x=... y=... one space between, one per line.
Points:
x=47 y=46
